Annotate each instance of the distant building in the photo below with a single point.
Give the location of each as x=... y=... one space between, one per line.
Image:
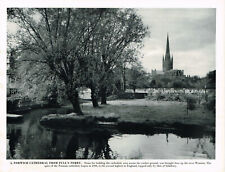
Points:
x=167 y=61
x=157 y=72
x=167 y=65
x=174 y=72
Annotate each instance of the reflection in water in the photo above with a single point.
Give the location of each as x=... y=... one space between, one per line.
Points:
x=89 y=146
x=13 y=141
x=155 y=147
x=29 y=140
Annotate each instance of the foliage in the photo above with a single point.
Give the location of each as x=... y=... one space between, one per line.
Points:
x=211 y=79
x=160 y=96
x=210 y=103
x=191 y=102
x=136 y=77
x=50 y=43
x=178 y=84
x=76 y=47
x=114 y=45
x=153 y=83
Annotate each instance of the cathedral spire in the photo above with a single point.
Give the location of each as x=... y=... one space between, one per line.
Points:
x=168 y=60
x=167 y=45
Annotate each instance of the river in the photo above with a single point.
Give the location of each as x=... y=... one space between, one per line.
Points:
x=29 y=140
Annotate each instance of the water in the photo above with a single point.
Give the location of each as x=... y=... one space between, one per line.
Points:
x=30 y=140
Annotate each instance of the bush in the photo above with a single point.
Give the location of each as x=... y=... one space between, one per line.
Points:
x=191 y=103
x=12 y=104
x=178 y=84
x=211 y=103
x=160 y=96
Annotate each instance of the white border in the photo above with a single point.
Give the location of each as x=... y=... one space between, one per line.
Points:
x=217 y=164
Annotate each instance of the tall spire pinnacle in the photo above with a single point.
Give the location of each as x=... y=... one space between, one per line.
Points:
x=167 y=45
x=168 y=60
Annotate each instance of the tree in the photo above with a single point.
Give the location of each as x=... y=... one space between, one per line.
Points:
x=121 y=31
x=211 y=79
x=136 y=77
x=76 y=46
x=178 y=84
x=129 y=56
x=112 y=44
x=55 y=40
x=37 y=83
x=153 y=83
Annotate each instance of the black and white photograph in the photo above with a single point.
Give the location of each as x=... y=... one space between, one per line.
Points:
x=111 y=83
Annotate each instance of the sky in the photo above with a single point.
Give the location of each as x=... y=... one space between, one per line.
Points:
x=192 y=34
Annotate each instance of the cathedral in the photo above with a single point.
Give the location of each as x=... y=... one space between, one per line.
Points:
x=167 y=64
x=167 y=60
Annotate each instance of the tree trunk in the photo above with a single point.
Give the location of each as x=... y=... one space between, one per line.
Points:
x=103 y=100
x=53 y=96
x=124 y=78
x=94 y=97
x=103 y=95
x=76 y=106
x=74 y=99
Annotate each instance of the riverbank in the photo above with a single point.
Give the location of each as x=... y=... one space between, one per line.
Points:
x=143 y=114
x=155 y=113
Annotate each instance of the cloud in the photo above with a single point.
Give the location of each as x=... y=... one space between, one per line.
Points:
x=192 y=38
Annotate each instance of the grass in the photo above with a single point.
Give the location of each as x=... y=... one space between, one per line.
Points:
x=147 y=111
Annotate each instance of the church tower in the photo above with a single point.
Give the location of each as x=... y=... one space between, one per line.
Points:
x=167 y=59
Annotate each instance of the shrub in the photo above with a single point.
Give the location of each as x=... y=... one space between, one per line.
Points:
x=160 y=96
x=12 y=104
x=178 y=84
x=211 y=103
x=191 y=103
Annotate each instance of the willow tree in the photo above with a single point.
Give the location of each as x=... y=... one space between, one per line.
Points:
x=55 y=39
x=77 y=46
x=118 y=34
x=123 y=31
